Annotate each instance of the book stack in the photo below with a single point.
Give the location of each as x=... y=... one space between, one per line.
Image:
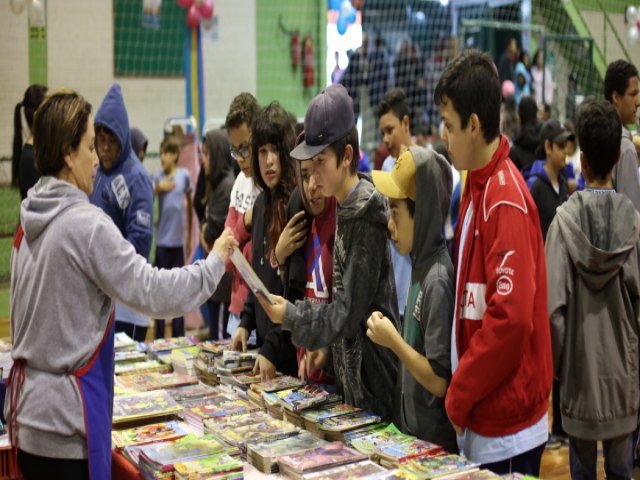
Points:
x=183 y=360
x=284 y=382
x=389 y=436
x=232 y=362
x=146 y=382
x=321 y=458
x=264 y=455
x=156 y=432
x=268 y=429
x=148 y=366
x=217 y=467
x=391 y=456
x=157 y=460
x=130 y=356
x=271 y=402
x=366 y=469
x=166 y=345
x=311 y=417
x=192 y=395
x=140 y=406
x=295 y=401
x=336 y=428
x=439 y=467
x=216 y=407
x=123 y=343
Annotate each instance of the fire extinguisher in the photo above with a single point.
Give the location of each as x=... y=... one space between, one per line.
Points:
x=295 y=49
x=307 y=62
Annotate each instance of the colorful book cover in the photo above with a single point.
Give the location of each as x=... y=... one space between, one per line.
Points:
x=162 y=344
x=334 y=453
x=405 y=451
x=123 y=342
x=348 y=472
x=155 y=381
x=279 y=383
x=434 y=467
x=133 y=368
x=315 y=415
x=188 y=392
x=236 y=421
x=296 y=399
x=348 y=421
x=221 y=407
x=387 y=437
x=214 y=464
x=257 y=432
x=190 y=447
x=286 y=446
x=143 y=405
x=130 y=356
x=483 y=475
x=158 y=432
x=216 y=347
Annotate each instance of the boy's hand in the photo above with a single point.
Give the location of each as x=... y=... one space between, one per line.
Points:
x=239 y=341
x=459 y=430
x=311 y=363
x=381 y=331
x=222 y=246
x=203 y=242
x=187 y=250
x=292 y=237
x=166 y=185
x=264 y=367
x=274 y=312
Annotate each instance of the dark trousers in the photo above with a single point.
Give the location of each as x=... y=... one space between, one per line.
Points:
x=139 y=334
x=618 y=458
x=170 y=257
x=556 y=424
x=527 y=463
x=217 y=331
x=34 y=467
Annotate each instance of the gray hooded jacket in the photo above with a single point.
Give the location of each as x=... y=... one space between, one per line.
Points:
x=593 y=270
x=70 y=268
x=428 y=316
x=363 y=283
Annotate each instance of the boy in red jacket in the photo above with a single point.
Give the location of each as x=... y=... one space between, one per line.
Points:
x=500 y=346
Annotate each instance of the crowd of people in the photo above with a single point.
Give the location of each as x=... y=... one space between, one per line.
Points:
x=455 y=337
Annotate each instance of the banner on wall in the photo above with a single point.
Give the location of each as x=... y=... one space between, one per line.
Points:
x=151 y=11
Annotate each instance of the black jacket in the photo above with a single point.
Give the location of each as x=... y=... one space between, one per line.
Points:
x=546 y=198
x=274 y=344
x=523 y=150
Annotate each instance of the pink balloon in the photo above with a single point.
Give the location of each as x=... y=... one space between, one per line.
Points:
x=508 y=88
x=638 y=23
x=206 y=9
x=193 y=17
x=185 y=3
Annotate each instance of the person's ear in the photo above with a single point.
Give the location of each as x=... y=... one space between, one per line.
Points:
x=548 y=147
x=586 y=173
x=474 y=124
x=68 y=159
x=405 y=123
x=348 y=156
x=615 y=98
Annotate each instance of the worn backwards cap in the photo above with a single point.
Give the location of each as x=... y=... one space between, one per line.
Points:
x=399 y=182
x=555 y=132
x=329 y=118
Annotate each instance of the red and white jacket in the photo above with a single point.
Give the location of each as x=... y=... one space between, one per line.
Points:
x=503 y=379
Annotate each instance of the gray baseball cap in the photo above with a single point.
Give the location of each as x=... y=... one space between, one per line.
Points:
x=329 y=118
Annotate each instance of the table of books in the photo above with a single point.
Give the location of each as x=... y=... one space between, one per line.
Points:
x=193 y=411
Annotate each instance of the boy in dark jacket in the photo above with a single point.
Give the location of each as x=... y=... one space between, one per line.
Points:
x=593 y=251
x=547 y=179
x=363 y=279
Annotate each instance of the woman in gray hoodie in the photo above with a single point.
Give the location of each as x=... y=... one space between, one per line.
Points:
x=69 y=265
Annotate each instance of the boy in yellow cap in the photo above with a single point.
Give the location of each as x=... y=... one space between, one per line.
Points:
x=424 y=348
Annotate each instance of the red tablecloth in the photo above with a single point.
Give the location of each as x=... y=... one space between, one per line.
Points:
x=122 y=469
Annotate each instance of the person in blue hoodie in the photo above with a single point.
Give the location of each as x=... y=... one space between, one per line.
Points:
x=122 y=189
x=547 y=179
x=522 y=82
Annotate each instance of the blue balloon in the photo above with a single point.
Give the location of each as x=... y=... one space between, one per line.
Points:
x=352 y=15
x=342 y=24
x=334 y=4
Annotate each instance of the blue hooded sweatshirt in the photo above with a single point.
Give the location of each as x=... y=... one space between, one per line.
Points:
x=124 y=193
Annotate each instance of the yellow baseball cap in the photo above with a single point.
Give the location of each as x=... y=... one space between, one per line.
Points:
x=399 y=182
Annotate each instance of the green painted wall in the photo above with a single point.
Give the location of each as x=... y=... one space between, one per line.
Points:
x=276 y=79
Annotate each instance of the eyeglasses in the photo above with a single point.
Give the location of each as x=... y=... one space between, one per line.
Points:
x=243 y=152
